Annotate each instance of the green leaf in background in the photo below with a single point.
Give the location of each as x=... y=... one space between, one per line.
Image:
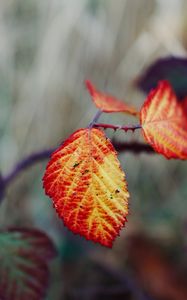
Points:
x=172 y=68
x=24 y=256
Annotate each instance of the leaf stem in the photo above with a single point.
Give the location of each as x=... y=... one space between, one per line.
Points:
x=95 y=118
x=117 y=127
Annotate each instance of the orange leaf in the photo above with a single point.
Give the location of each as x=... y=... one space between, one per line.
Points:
x=164 y=123
x=88 y=187
x=108 y=103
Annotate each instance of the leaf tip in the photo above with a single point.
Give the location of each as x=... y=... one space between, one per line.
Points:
x=90 y=87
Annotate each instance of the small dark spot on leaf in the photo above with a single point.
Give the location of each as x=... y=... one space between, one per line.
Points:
x=76 y=165
x=117 y=191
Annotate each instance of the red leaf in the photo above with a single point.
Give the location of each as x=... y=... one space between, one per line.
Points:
x=108 y=103
x=164 y=123
x=88 y=187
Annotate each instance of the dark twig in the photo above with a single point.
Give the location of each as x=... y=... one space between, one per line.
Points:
x=133 y=147
x=26 y=163
x=34 y=158
x=45 y=154
x=21 y=166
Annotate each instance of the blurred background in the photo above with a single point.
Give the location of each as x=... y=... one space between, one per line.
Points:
x=47 y=49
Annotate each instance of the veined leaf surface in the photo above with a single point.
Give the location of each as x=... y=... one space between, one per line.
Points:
x=88 y=187
x=108 y=103
x=164 y=123
x=24 y=254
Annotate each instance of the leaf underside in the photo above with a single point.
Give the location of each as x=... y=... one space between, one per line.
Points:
x=88 y=187
x=24 y=254
x=164 y=122
x=108 y=103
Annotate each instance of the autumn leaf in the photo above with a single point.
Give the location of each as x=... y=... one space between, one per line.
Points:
x=164 y=123
x=108 y=103
x=24 y=255
x=87 y=186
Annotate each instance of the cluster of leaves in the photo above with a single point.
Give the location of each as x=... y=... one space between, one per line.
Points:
x=84 y=177
x=24 y=256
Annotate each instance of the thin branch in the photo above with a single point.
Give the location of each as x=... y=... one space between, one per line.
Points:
x=26 y=163
x=133 y=147
x=45 y=154
x=117 y=127
x=37 y=157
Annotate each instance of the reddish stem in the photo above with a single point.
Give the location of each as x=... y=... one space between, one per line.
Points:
x=117 y=127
